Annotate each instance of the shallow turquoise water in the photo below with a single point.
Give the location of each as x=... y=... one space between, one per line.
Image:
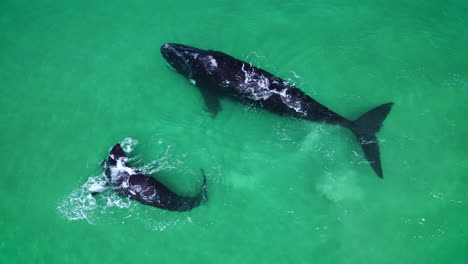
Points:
x=78 y=77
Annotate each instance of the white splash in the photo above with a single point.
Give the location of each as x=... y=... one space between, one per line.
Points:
x=257 y=87
x=119 y=169
x=128 y=144
x=80 y=204
x=96 y=187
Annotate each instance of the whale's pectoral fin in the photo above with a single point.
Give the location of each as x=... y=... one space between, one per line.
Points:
x=212 y=103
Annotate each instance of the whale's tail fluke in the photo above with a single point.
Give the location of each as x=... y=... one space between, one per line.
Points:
x=192 y=202
x=365 y=128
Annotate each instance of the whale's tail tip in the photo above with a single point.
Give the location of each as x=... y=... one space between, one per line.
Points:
x=365 y=128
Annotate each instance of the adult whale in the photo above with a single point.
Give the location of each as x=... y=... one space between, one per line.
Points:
x=219 y=75
x=131 y=183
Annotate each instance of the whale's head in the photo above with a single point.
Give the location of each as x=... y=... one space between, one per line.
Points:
x=181 y=58
x=115 y=155
x=116 y=168
x=191 y=62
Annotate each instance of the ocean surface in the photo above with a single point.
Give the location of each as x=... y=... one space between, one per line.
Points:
x=77 y=77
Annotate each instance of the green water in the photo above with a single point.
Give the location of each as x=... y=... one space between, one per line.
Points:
x=79 y=76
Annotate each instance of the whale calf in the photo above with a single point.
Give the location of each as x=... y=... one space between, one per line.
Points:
x=131 y=183
x=218 y=75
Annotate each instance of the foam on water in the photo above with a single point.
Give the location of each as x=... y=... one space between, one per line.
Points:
x=80 y=204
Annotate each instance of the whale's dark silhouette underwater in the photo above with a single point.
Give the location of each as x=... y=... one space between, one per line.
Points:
x=131 y=183
x=219 y=75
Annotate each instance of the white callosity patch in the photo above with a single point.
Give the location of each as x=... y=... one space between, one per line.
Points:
x=210 y=64
x=213 y=63
x=257 y=87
